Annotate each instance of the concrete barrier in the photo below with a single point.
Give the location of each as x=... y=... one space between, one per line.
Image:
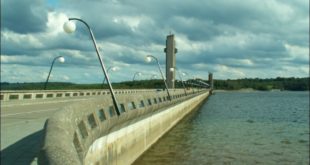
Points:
x=90 y=132
x=52 y=94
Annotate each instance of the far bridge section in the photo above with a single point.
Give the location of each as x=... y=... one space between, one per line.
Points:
x=90 y=131
x=24 y=95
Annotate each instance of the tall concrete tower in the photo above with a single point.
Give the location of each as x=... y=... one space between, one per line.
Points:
x=211 y=80
x=170 y=51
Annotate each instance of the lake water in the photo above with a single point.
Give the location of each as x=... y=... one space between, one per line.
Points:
x=239 y=128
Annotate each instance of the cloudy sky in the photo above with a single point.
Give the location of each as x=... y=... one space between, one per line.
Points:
x=230 y=38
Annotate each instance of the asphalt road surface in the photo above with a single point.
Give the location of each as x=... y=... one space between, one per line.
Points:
x=21 y=127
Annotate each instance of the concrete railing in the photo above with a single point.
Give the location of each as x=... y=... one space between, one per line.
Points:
x=70 y=134
x=52 y=94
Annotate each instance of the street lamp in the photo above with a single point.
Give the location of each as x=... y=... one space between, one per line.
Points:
x=172 y=70
x=190 y=81
x=203 y=84
x=200 y=84
x=113 y=68
x=61 y=59
x=148 y=59
x=137 y=73
x=69 y=27
x=194 y=85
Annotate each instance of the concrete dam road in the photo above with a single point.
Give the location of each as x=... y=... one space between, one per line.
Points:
x=93 y=125
x=21 y=127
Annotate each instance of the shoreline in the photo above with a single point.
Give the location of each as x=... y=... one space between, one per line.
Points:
x=251 y=90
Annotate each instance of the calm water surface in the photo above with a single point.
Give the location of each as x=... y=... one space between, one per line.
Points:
x=239 y=128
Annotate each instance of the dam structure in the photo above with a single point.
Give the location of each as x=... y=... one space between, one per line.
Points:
x=90 y=127
x=55 y=126
x=90 y=132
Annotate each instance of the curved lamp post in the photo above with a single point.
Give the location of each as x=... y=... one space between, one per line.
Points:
x=61 y=59
x=134 y=76
x=194 y=85
x=172 y=70
x=200 y=84
x=189 y=82
x=113 y=68
x=148 y=59
x=203 y=84
x=69 y=27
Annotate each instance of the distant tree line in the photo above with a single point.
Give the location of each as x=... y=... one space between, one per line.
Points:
x=293 y=84
x=67 y=85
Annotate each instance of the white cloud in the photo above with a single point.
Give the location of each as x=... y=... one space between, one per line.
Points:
x=86 y=74
x=283 y=11
x=236 y=62
x=66 y=78
x=132 y=21
x=79 y=55
x=298 y=52
x=188 y=46
x=20 y=59
x=237 y=40
x=250 y=39
x=229 y=72
x=55 y=23
x=200 y=66
x=23 y=41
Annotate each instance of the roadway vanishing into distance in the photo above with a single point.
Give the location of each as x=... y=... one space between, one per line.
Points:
x=22 y=123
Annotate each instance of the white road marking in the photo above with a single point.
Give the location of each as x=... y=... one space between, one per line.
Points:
x=13 y=114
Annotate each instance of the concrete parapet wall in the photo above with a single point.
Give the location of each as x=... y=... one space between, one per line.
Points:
x=90 y=132
x=52 y=94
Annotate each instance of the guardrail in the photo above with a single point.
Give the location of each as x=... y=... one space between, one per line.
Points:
x=50 y=94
